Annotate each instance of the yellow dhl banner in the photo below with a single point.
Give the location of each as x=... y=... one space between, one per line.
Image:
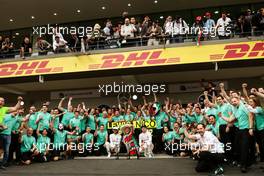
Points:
x=136 y=124
x=132 y=59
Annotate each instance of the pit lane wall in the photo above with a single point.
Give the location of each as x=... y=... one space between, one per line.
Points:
x=134 y=59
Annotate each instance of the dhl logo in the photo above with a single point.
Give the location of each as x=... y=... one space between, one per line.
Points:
x=146 y=58
x=27 y=68
x=240 y=50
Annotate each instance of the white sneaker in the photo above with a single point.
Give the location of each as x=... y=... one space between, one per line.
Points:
x=109 y=155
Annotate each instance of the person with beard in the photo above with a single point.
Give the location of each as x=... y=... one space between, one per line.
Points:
x=43 y=142
x=129 y=140
x=60 y=144
x=210 y=151
x=245 y=132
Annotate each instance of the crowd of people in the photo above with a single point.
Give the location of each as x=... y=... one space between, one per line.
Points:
x=131 y=32
x=222 y=128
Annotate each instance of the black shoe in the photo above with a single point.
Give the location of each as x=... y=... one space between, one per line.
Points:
x=219 y=171
x=243 y=169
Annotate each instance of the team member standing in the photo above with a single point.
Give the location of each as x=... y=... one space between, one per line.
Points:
x=245 y=132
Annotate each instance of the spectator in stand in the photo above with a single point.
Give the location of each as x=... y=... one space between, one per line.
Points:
x=59 y=45
x=197 y=29
x=84 y=44
x=7 y=48
x=168 y=28
x=145 y=26
x=74 y=43
x=42 y=46
x=96 y=35
x=258 y=22
x=209 y=26
x=128 y=30
x=223 y=27
x=26 y=48
x=137 y=26
x=180 y=28
x=153 y=33
x=247 y=26
x=108 y=31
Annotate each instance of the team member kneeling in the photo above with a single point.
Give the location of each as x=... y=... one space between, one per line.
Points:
x=114 y=145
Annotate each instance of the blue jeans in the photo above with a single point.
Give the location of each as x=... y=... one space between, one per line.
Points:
x=6 y=141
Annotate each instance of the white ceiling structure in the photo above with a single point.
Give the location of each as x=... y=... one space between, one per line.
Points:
x=16 y=14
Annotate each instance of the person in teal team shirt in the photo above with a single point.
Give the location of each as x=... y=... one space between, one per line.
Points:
x=88 y=141
x=28 y=147
x=5 y=135
x=167 y=139
x=91 y=121
x=16 y=131
x=55 y=118
x=43 y=142
x=75 y=125
x=60 y=143
x=67 y=113
x=245 y=132
x=102 y=138
x=103 y=120
x=129 y=116
x=44 y=119
x=117 y=117
x=258 y=113
x=31 y=120
x=213 y=126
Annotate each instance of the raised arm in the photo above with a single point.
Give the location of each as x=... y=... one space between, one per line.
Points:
x=70 y=102
x=245 y=92
x=17 y=106
x=60 y=104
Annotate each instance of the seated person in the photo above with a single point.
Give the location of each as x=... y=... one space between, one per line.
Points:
x=145 y=142
x=43 y=142
x=28 y=147
x=60 y=144
x=88 y=141
x=129 y=140
x=114 y=143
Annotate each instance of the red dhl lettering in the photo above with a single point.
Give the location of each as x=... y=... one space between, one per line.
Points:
x=27 y=68
x=244 y=50
x=134 y=59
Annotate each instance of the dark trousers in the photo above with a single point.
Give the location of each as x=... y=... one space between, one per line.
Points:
x=14 y=147
x=208 y=161
x=260 y=141
x=246 y=145
x=226 y=139
x=157 y=140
